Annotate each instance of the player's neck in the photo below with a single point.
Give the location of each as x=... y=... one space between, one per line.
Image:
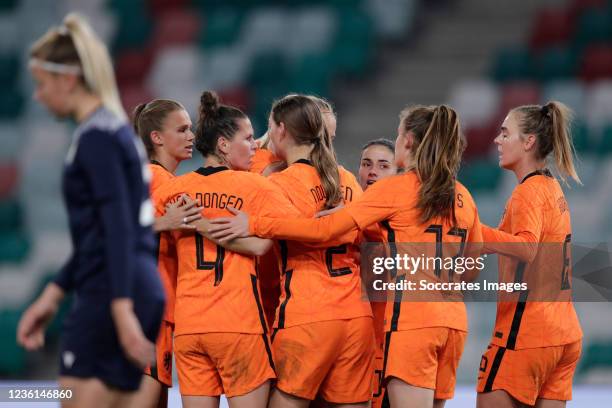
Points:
x=295 y=153
x=523 y=168
x=168 y=162
x=214 y=161
x=86 y=105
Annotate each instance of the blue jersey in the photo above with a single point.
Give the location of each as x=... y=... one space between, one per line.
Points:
x=106 y=190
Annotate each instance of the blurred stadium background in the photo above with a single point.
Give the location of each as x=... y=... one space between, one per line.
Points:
x=369 y=57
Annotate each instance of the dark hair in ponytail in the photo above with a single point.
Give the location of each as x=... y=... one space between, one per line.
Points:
x=215 y=120
x=550 y=124
x=437 y=150
x=149 y=117
x=304 y=122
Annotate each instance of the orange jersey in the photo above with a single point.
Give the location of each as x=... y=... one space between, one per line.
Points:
x=217 y=289
x=267 y=264
x=392 y=201
x=159 y=175
x=323 y=282
x=262 y=159
x=537 y=208
x=166 y=252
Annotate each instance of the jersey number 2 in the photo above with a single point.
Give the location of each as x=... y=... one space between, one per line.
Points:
x=329 y=254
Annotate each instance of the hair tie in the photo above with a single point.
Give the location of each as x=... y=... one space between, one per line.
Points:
x=545 y=110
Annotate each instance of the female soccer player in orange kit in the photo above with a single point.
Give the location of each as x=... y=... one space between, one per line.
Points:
x=221 y=339
x=164 y=127
x=536 y=344
x=377 y=162
x=166 y=132
x=424 y=340
x=323 y=338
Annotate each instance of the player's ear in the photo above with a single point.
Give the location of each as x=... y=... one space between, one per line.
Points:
x=282 y=131
x=156 y=138
x=408 y=140
x=69 y=81
x=223 y=145
x=529 y=141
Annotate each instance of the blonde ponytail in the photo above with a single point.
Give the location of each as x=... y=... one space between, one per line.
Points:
x=550 y=124
x=74 y=48
x=95 y=62
x=563 y=148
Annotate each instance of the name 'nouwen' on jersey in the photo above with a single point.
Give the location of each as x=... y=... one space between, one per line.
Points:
x=324 y=283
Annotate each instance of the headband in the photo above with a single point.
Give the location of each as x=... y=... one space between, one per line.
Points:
x=55 y=67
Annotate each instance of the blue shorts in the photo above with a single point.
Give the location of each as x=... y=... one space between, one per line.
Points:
x=90 y=347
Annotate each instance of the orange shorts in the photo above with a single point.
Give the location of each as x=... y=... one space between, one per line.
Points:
x=530 y=374
x=211 y=364
x=426 y=358
x=379 y=388
x=378 y=311
x=333 y=358
x=161 y=370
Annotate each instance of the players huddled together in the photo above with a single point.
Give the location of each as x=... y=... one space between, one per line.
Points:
x=257 y=252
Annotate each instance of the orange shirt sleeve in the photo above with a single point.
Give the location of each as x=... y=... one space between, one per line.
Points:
x=376 y=204
x=475 y=237
x=164 y=195
x=261 y=160
x=526 y=225
x=293 y=225
x=523 y=245
x=159 y=198
x=494 y=235
x=373 y=232
x=371 y=207
x=303 y=229
x=273 y=203
x=476 y=232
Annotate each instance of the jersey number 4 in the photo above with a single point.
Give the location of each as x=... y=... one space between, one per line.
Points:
x=217 y=265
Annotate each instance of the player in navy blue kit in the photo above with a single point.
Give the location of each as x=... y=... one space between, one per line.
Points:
x=118 y=297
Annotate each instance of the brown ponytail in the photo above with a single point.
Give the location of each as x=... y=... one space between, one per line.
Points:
x=304 y=122
x=551 y=126
x=437 y=150
x=215 y=120
x=149 y=117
